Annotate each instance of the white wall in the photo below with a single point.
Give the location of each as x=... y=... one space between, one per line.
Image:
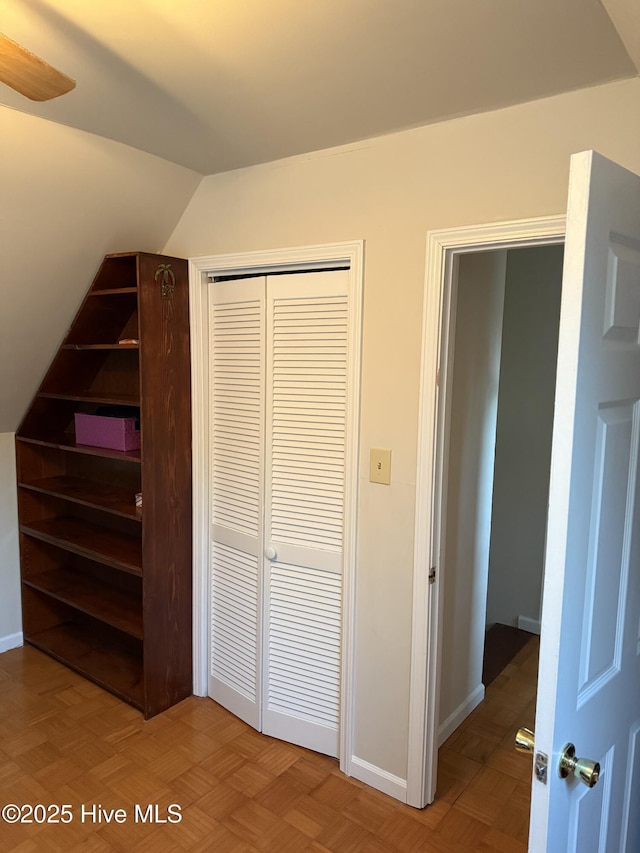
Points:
x=509 y=164
x=472 y=439
x=10 y=618
x=523 y=442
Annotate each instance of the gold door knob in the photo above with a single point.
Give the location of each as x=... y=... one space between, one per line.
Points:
x=583 y=769
x=525 y=740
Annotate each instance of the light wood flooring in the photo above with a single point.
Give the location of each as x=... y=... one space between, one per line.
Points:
x=65 y=741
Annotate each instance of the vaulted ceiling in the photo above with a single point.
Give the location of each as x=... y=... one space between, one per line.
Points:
x=219 y=85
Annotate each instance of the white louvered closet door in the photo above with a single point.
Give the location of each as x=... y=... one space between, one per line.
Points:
x=278 y=390
x=236 y=427
x=306 y=394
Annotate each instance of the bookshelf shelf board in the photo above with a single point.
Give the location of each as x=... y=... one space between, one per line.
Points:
x=109 y=664
x=88 y=397
x=101 y=496
x=77 y=347
x=89 y=540
x=65 y=442
x=113 y=606
x=113 y=290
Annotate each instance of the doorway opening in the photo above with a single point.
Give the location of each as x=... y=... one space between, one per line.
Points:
x=498 y=417
x=444 y=252
x=498 y=424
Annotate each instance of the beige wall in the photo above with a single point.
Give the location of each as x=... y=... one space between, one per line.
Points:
x=67 y=198
x=523 y=441
x=508 y=164
x=10 y=619
x=472 y=441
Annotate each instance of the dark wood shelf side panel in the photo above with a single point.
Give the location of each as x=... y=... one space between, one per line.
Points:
x=166 y=475
x=117 y=607
x=101 y=496
x=89 y=540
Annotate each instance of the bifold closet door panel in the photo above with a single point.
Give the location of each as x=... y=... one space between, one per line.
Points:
x=236 y=460
x=306 y=393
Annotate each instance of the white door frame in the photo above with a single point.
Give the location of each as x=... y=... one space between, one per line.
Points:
x=296 y=259
x=443 y=250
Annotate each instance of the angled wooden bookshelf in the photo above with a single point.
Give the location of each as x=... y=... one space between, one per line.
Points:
x=106 y=587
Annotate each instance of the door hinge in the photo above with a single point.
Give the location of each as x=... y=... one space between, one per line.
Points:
x=432 y=574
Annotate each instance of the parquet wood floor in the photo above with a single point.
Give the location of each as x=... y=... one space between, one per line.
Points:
x=65 y=741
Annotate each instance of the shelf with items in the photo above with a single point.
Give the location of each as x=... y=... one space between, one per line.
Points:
x=102 y=479
x=51 y=421
x=78 y=525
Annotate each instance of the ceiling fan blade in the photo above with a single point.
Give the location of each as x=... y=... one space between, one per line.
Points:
x=28 y=74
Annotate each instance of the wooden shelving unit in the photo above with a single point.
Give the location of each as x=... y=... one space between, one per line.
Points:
x=106 y=586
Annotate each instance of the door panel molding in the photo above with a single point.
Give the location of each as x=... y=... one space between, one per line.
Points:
x=443 y=249
x=297 y=259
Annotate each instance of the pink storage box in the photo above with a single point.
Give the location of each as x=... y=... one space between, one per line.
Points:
x=114 y=433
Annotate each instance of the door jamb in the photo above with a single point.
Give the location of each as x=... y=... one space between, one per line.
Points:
x=296 y=259
x=443 y=250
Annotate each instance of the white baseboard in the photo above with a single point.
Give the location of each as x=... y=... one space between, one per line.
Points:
x=448 y=727
x=530 y=625
x=379 y=779
x=11 y=641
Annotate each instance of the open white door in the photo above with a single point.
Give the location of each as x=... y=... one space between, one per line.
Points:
x=589 y=678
